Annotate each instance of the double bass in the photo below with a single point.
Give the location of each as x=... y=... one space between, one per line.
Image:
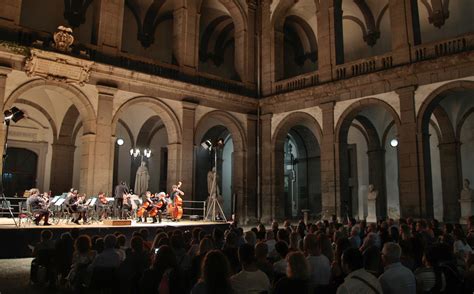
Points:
x=176 y=207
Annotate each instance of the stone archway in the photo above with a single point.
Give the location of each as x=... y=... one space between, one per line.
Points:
x=450 y=161
x=226 y=120
x=305 y=133
x=375 y=153
x=173 y=131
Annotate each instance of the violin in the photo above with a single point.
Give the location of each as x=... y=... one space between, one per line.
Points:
x=103 y=199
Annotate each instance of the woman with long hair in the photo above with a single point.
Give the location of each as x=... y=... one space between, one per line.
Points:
x=215 y=275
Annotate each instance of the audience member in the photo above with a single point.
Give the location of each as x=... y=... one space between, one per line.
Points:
x=358 y=280
x=297 y=279
x=250 y=279
x=319 y=265
x=215 y=277
x=109 y=258
x=396 y=277
x=261 y=253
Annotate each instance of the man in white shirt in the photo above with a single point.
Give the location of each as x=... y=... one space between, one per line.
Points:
x=358 y=280
x=396 y=278
x=250 y=279
x=320 y=268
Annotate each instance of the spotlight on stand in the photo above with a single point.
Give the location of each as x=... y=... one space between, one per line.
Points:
x=13 y=114
x=120 y=141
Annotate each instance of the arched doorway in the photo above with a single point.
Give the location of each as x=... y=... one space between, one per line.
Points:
x=297 y=167
x=147 y=123
x=446 y=147
x=205 y=163
x=20 y=171
x=364 y=133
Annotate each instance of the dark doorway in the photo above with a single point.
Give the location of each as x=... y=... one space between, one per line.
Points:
x=20 y=171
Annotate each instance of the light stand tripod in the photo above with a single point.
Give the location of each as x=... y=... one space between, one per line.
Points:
x=4 y=157
x=214 y=208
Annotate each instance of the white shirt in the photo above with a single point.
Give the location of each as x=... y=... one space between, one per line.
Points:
x=320 y=270
x=108 y=258
x=397 y=279
x=250 y=282
x=353 y=284
x=280 y=266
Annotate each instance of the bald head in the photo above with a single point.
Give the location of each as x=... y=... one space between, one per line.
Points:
x=391 y=253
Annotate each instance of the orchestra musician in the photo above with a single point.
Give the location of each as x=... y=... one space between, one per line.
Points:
x=75 y=204
x=175 y=208
x=175 y=191
x=146 y=208
x=120 y=190
x=102 y=206
x=38 y=207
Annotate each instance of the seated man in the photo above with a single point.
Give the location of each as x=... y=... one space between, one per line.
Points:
x=75 y=205
x=103 y=207
x=396 y=277
x=250 y=279
x=37 y=206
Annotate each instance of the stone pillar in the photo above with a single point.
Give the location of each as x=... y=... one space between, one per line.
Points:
x=412 y=196
x=449 y=154
x=238 y=185
x=187 y=169
x=174 y=165
x=252 y=39
x=377 y=178
x=330 y=38
x=104 y=142
x=267 y=169
x=109 y=24
x=328 y=164
x=4 y=71
x=251 y=171
x=241 y=53
x=267 y=50
x=61 y=173
x=186 y=19
x=405 y=30
x=10 y=11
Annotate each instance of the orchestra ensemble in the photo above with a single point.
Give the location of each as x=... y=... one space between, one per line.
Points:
x=124 y=205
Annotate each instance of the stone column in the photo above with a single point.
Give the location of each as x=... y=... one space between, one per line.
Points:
x=328 y=164
x=10 y=11
x=449 y=154
x=252 y=39
x=238 y=185
x=251 y=171
x=267 y=51
x=174 y=165
x=267 y=169
x=412 y=196
x=109 y=24
x=186 y=19
x=62 y=173
x=104 y=145
x=187 y=169
x=330 y=38
x=4 y=71
x=403 y=22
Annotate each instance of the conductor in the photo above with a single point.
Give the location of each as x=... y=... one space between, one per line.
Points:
x=120 y=190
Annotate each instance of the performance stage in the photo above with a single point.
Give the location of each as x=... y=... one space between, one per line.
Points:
x=15 y=240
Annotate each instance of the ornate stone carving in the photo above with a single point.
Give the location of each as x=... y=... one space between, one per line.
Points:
x=63 y=39
x=59 y=67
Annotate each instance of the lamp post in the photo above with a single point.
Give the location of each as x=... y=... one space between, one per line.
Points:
x=137 y=152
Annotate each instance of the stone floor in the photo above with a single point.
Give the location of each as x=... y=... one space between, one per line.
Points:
x=15 y=275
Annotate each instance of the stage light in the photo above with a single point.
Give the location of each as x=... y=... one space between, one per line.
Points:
x=120 y=141
x=14 y=114
x=207 y=145
x=394 y=143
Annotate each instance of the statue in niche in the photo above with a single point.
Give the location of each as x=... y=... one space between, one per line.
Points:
x=210 y=182
x=467 y=194
x=141 y=179
x=371 y=204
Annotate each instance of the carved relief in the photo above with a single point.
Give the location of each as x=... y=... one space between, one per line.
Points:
x=58 y=67
x=438 y=11
x=63 y=39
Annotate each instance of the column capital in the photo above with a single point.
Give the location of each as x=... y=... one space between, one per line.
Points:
x=106 y=90
x=4 y=71
x=407 y=89
x=189 y=105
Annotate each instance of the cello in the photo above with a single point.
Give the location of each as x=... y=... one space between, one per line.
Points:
x=176 y=207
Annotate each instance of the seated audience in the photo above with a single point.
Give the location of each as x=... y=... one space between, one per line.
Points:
x=358 y=280
x=396 y=277
x=109 y=258
x=319 y=266
x=297 y=276
x=250 y=279
x=261 y=253
x=215 y=275
x=279 y=267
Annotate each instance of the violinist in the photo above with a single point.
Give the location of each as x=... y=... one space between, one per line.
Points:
x=102 y=206
x=75 y=204
x=37 y=203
